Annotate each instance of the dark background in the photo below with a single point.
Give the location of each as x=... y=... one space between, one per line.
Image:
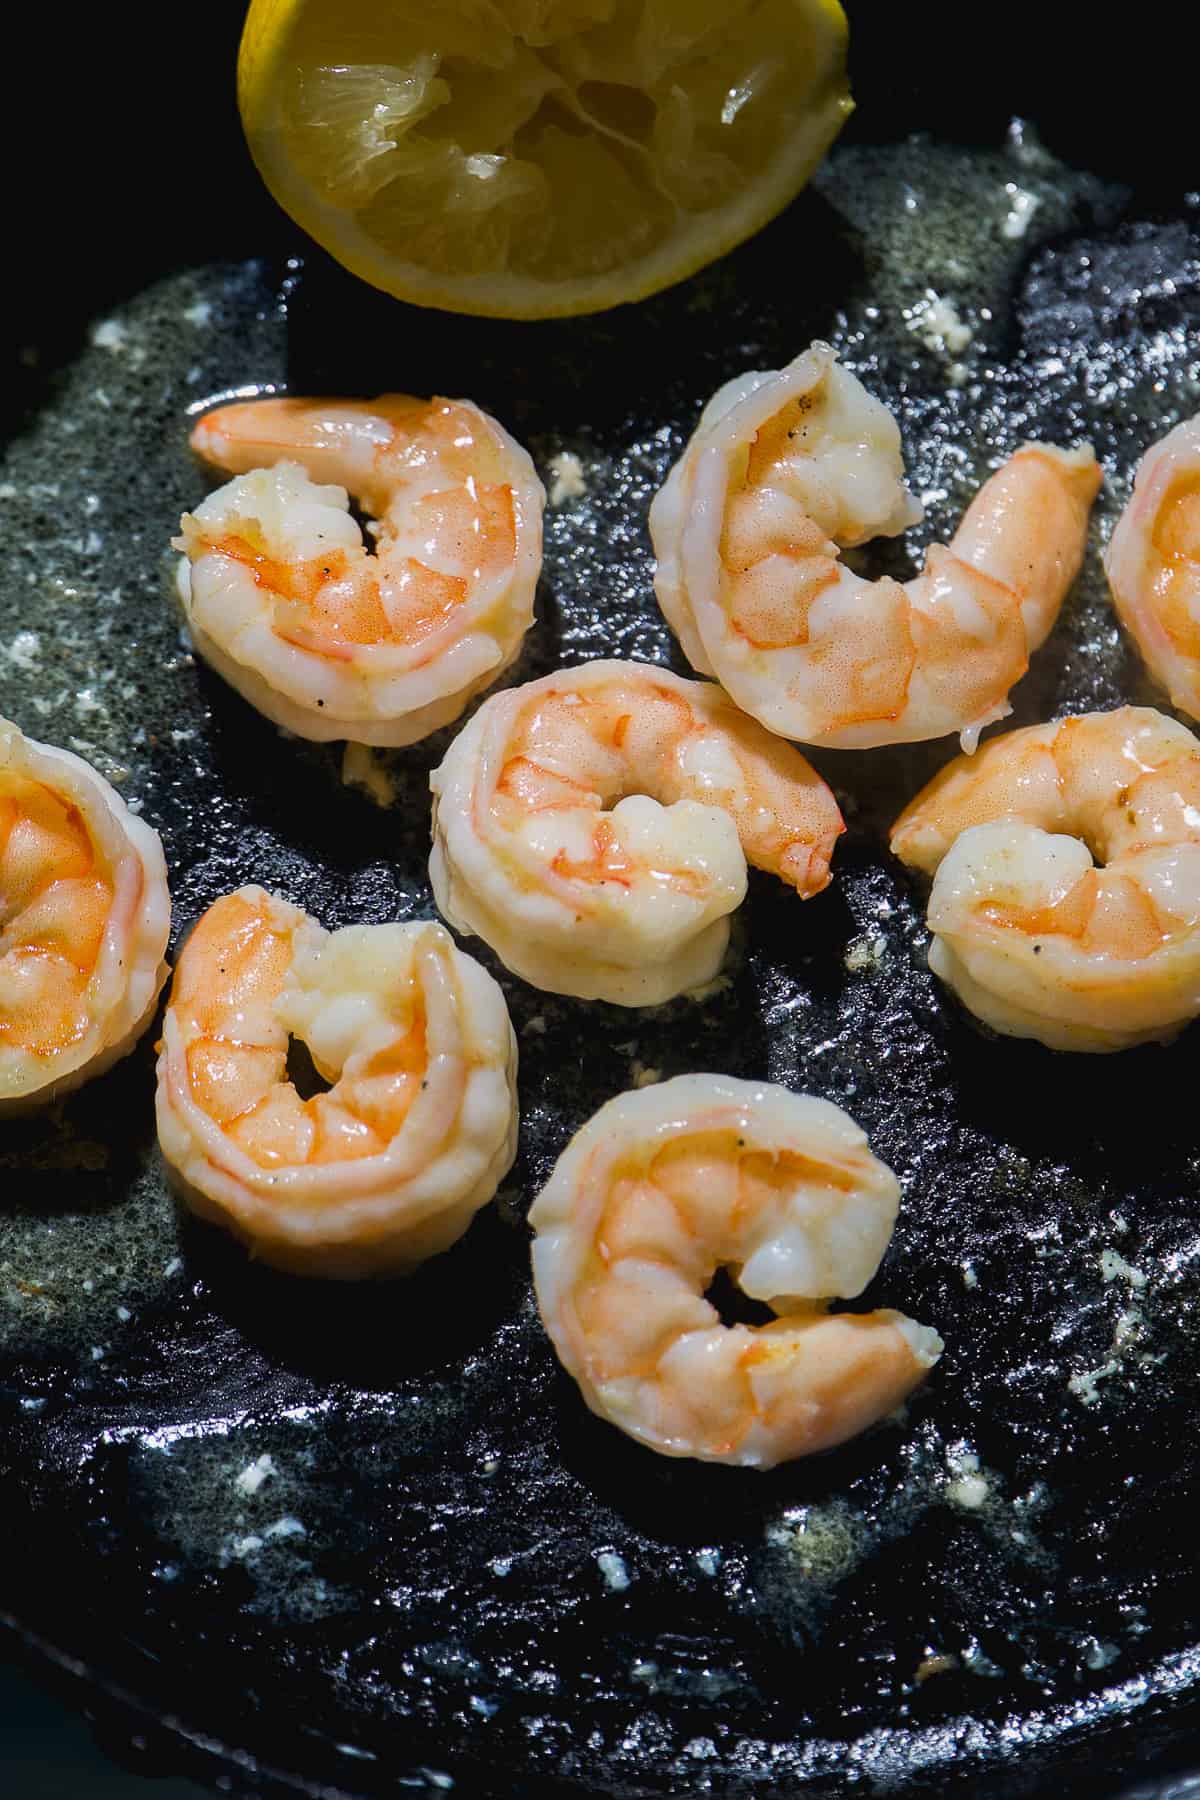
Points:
x=47 y=1752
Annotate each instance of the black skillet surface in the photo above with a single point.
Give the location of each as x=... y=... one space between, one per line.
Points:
x=451 y=1577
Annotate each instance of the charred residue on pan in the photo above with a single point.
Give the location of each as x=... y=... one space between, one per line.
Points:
x=382 y=1519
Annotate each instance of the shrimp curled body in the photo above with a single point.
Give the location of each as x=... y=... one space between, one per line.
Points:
x=1066 y=893
x=660 y=1189
x=594 y=827
x=419 y=1127
x=1153 y=564
x=84 y=918
x=322 y=635
x=786 y=470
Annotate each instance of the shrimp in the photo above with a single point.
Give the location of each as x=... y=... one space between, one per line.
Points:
x=663 y=1187
x=1153 y=564
x=594 y=827
x=324 y=636
x=1036 y=939
x=413 y=1136
x=84 y=918
x=783 y=472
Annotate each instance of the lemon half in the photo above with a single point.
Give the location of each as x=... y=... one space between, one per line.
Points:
x=533 y=158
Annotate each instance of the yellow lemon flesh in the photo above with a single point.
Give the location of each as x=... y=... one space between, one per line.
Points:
x=531 y=158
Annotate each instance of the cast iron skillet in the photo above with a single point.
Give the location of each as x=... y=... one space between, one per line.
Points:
x=455 y=1577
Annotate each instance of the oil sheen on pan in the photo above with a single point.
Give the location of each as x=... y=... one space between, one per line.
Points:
x=373 y=1539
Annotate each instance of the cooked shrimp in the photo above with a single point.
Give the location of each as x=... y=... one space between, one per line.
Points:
x=84 y=917
x=321 y=634
x=663 y=1187
x=786 y=470
x=1153 y=564
x=594 y=828
x=417 y=1129
x=1035 y=938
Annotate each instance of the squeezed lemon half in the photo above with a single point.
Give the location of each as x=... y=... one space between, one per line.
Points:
x=533 y=158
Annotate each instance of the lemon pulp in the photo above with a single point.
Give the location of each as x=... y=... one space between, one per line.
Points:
x=538 y=156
